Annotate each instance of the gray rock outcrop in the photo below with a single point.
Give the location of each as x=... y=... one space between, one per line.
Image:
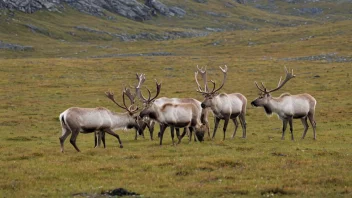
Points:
x=131 y=9
x=16 y=47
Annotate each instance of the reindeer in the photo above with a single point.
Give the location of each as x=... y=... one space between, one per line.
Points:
x=174 y=115
x=288 y=107
x=164 y=100
x=224 y=106
x=142 y=123
x=87 y=120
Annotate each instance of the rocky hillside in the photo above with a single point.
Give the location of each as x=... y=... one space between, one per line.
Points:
x=131 y=9
x=43 y=27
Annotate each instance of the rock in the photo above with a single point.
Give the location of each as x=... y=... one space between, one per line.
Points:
x=131 y=9
x=312 y=11
x=159 y=7
x=16 y=47
x=121 y=192
x=216 y=14
x=201 y=1
x=241 y=1
x=177 y=11
x=36 y=29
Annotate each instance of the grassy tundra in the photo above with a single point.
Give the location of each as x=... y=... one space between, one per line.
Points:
x=34 y=91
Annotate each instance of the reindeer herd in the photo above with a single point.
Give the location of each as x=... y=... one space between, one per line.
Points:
x=187 y=113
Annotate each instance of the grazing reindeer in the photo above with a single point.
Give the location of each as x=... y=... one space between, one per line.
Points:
x=287 y=106
x=174 y=115
x=88 y=120
x=224 y=106
x=164 y=100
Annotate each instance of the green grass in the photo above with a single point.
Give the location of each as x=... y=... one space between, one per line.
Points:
x=37 y=86
x=36 y=91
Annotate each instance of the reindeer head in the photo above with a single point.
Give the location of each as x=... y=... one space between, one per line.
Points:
x=265 y=96
x=148 y=103
x=132 y=110
x=200 y=132
x=208 y=95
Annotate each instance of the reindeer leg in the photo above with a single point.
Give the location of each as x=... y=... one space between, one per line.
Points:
x=243 y=124
x=216 y=120
x=291 y=128
x=194 y=135
x=305 y=125
x=103 y=137
x=162 y=129
x=190 y=133
x=73 y=139
x=151 y=129
x=65 y=134
x=284 y=126
x=109 y=131
x=172 y=130
x=236 y=126
x=96 y=136
x=225 y=127
x=135 y=137
x=313 y=123
x=208 y=129
x=182 y=135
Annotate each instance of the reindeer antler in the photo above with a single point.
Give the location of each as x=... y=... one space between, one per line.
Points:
x=204 y=76
x=110 y=95
x=203 y=73
x=289 y=76
x=141 y=79
x=224 y=71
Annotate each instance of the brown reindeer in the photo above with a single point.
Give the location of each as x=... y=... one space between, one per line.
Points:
x=288 y=107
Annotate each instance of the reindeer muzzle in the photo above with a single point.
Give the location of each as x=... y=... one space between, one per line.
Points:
x=253 y=104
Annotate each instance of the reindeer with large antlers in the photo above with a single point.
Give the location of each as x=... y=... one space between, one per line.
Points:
x=224 y=106
x=288 y=107
x=177 y=115
x=142 y=123
x=87 y=120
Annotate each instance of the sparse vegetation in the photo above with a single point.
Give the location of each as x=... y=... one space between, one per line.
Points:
x=38 y=85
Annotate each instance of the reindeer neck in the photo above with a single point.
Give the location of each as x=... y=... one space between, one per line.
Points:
x=121 y=120
x=275 y=104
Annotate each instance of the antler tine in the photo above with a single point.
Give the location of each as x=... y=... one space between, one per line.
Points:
x=224 y=71
x=149 y=94
x=158 y=87
x=140 y=95
x=213 y=82
x=288 y=77
x=132 y=110
x=110 y=95
x=203 y=73
x=141 y=79
x=256 y=84
x=130 y=95
x=199 y=87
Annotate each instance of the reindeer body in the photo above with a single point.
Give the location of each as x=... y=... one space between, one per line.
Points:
x=224 y=106
x=204 y=112
x=288 y=107
x=87 y=120
x=175 y=115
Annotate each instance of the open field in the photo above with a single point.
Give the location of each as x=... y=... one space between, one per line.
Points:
x=36 y=86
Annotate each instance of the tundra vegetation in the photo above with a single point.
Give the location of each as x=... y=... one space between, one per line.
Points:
x=37 y=85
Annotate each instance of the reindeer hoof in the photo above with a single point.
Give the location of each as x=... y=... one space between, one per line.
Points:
x=121 y=146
